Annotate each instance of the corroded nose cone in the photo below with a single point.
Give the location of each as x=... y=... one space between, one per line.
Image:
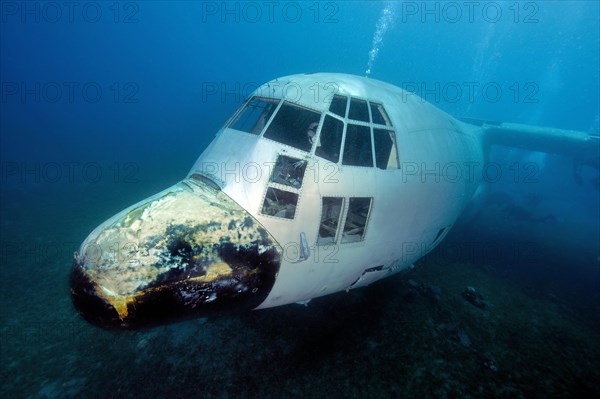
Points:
x=187 y=251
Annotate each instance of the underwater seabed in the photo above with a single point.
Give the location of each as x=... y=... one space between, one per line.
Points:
x=414 y=335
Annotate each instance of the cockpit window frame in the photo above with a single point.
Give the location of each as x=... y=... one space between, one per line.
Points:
x=285 y=187
x=358 y=103
x=341 y=236
x=335 y=98
x=318 y=119
x=346 y=120
x=284 y=205
x=382 y=112
x=236 y=116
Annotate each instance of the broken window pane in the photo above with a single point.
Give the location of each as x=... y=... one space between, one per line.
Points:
x=279 y=203
x=331 y=211
x=331 y=139
x=358 y=110
x=379 y=115
x=338 y=105
x=356 y=219
x=291 y=126
x=357 y=147
x=255 y=115
x=288 y=171
x=386 y=156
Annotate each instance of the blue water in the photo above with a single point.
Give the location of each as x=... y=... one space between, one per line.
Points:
x=103 y=104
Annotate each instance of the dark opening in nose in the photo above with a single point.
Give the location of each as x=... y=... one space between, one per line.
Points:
x=178 y=296
x=91 y=306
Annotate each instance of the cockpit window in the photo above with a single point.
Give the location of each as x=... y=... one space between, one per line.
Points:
x=280 y=203
x=299 y=127
x=255 y=115
x=288 y=171
x=338 y=105
x=331 y=210
x=293 y=126
x=358 y=110
x=356 y=219
x=363 y=117
x=386 y=156
x=330 y=139
x=357 y=146
x=379 y=115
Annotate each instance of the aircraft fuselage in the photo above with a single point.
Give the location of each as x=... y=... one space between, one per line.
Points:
x=319 y=183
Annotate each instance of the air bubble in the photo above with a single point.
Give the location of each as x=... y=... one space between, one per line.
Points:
x=385 y=22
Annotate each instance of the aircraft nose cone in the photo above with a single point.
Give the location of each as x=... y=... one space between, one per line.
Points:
x=187 y=251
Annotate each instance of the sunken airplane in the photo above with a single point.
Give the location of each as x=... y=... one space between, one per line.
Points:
x=318 y=183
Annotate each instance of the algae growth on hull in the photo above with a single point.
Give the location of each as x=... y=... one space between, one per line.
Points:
x=187 y=250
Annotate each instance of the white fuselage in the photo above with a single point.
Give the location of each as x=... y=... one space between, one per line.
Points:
x=319 y=183
x=413 y=206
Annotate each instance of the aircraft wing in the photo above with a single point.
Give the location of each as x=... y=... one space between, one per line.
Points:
x=583 y=147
